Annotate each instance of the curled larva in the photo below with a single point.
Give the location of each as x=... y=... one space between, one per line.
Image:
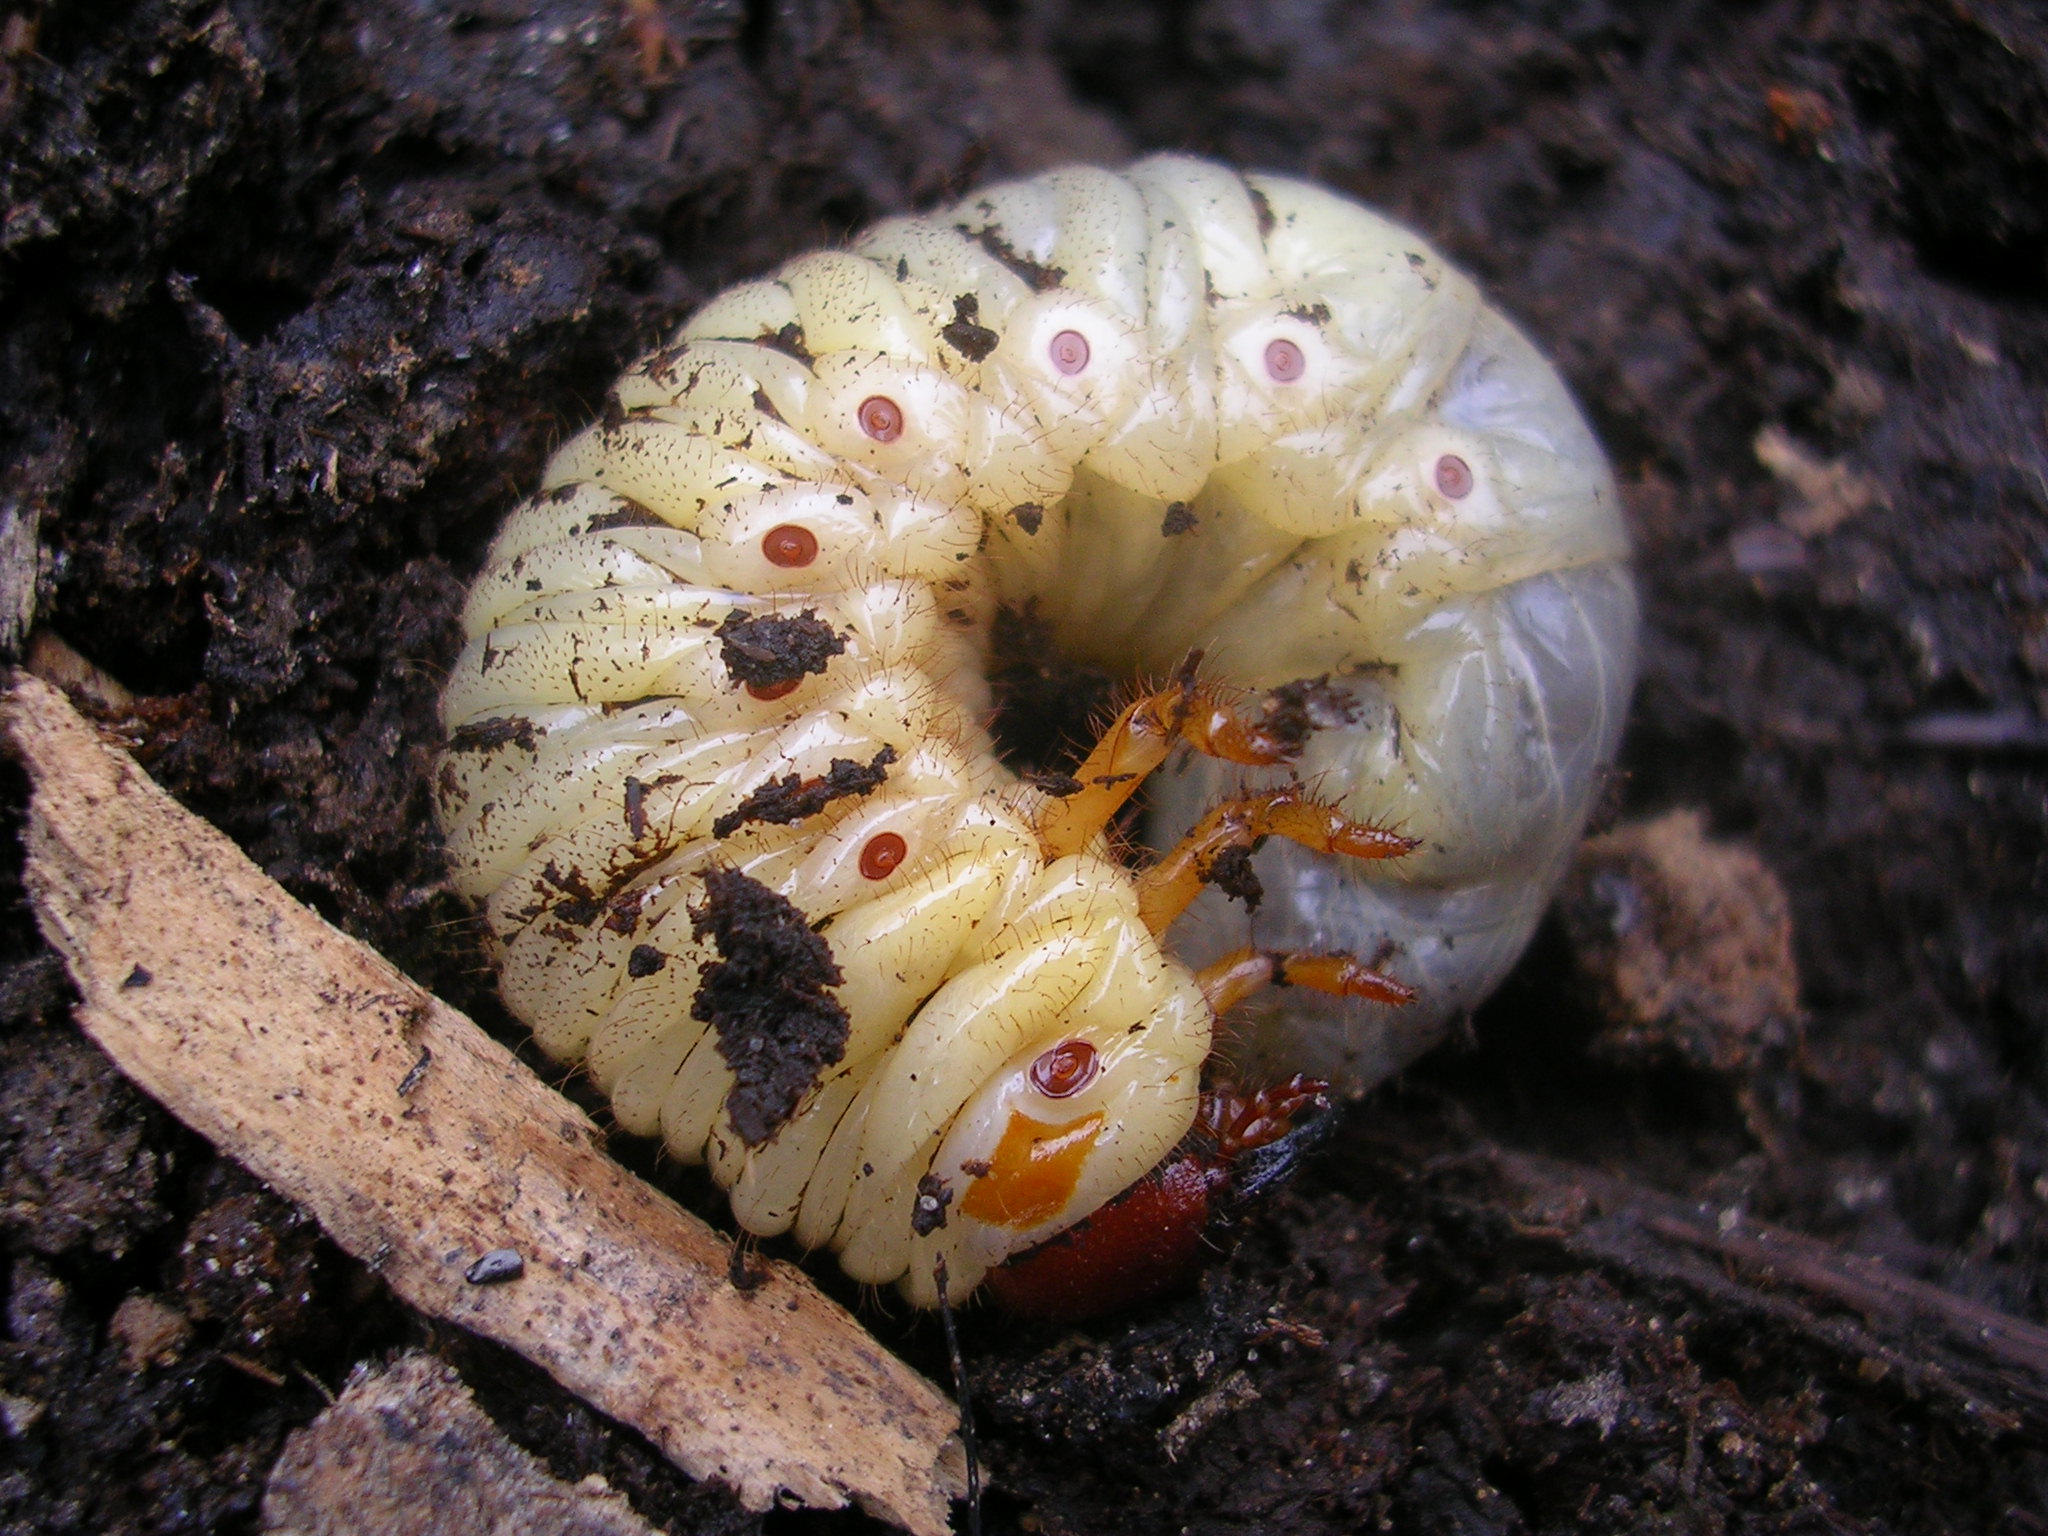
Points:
x=718 y=772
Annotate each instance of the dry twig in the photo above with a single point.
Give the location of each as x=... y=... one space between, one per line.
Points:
x=1990 y=1365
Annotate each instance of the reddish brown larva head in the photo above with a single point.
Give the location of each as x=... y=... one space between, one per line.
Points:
x=1066 y=1069
x=1137 y=1247
x=789 y=545
x=1454 y=477
x=1284 y=362
x=768 y=693
x=1069 y=352
x=881 y=854
x=881 y=418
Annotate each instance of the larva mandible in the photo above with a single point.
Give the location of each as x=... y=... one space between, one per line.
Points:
x=741 y=632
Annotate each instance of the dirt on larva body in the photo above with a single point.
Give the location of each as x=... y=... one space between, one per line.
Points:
x=297 y=299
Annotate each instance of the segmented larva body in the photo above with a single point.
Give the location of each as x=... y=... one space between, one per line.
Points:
x=744 y=626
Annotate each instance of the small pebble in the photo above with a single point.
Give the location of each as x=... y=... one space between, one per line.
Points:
x=496 y=1267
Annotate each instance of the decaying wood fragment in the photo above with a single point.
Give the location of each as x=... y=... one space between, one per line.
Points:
x=407 y=1452
x=1990 y=1365
x=286 y=1044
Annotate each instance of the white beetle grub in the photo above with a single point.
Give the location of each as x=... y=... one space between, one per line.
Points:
x=742 y=632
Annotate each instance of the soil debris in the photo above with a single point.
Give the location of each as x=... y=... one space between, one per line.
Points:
x=1689 y=943
x=768 y=997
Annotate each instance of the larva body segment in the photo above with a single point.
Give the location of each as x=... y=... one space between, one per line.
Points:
x=742 y=632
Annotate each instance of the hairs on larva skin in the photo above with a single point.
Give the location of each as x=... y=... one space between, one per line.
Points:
x=718 y=770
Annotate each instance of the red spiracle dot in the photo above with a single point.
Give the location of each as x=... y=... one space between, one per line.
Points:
x=1065 y=1070
x=883 y=852
x=1284 y=362
x=1069 y=352
x=881 y=418
x=1454 y=477
x=768 y=693
x=789 y=545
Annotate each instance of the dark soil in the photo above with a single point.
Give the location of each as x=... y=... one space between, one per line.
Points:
x=294 y=298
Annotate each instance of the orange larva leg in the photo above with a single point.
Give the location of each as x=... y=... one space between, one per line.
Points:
x=1137 y=742
x=1166 y=889
x=1229 y=981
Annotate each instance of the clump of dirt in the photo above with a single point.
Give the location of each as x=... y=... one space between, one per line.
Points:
x=1048 y=709
x=294 y=302
x=768 y=999
x=1688 y=944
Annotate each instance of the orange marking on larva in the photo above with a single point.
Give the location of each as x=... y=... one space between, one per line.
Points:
x=881 y=418
x=1454 y=477
x=768 y=693
x=882 y=854
x=789 y=545
x=1034 y=1173
x=1284 y=362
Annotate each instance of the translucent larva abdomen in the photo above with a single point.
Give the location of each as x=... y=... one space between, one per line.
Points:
x=718 y=770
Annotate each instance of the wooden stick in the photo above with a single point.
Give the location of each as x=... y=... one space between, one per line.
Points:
x=422 y=1145
x=1992 y=1365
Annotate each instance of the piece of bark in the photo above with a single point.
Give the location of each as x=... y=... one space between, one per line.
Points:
x=296 y=1050
x=405 y=1451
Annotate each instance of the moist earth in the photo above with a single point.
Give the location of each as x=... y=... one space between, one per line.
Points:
x=295 y=299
